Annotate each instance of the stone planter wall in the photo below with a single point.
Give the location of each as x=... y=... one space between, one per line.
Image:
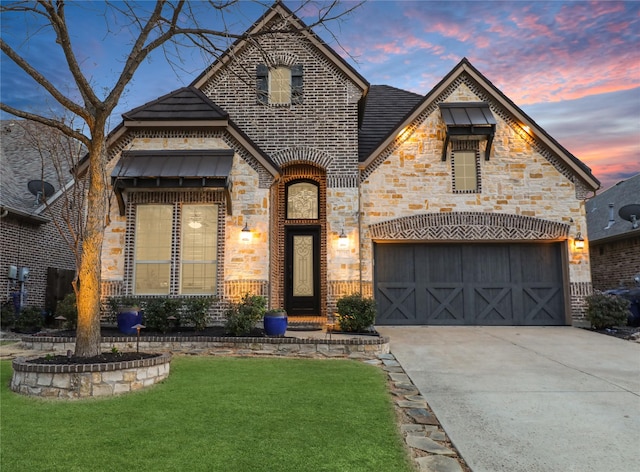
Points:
x=364 y=348
x=87 y=380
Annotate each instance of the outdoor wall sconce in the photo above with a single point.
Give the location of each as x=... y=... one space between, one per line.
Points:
x=579 y=242
x=343 y=240
x=245 y=234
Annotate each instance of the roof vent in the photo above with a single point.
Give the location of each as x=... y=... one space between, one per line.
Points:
x=611 y=220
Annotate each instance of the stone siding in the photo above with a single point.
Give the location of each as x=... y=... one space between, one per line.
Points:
x=239 y=264
x=516 y=180
x=355 y=347
x=413 y=185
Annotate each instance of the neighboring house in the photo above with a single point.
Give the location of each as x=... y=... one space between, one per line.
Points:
x=281 y=171
x=614 y=238
x=37 y=264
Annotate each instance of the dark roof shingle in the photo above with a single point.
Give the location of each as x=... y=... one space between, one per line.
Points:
x=385 y=107
x=187 y=103
x=623 y=193
x=21 y=162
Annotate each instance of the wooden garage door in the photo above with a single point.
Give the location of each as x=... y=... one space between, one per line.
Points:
x=469 y=284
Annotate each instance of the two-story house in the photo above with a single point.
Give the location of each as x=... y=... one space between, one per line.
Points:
x=281 y=171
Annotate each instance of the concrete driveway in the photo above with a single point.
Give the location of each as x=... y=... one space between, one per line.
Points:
x=529 y=398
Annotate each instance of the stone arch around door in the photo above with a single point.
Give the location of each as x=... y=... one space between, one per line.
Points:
x=284 y=229
x=471 y=269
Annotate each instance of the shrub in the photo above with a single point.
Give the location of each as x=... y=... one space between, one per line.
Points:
x=605 y=311
x=157 y=312
x=7 y=315
x=356 y=313
x=30 y=320
x=197 y=311
x=242 y=316
x=68 y=308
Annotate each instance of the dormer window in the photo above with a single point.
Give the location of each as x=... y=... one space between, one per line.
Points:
x=280 y=85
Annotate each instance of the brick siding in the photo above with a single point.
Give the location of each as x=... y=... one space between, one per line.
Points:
x=614 y=264
x=37 y=247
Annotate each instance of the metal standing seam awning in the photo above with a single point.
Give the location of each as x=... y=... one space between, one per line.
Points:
x=470 y=120
x=172 y=169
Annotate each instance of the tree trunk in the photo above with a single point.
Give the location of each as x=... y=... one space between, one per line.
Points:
x=88 y=295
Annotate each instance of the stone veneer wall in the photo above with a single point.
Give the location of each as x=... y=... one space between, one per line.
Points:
x=355 y=347
x=87 y=380
x=411 y=184
x=242 y=267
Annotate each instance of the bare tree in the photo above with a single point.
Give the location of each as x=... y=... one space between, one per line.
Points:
x=60 y=155
x=167 y=26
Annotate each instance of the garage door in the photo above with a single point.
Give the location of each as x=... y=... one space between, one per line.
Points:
x=469 y=284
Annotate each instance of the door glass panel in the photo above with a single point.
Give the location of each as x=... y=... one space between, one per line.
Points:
x=302 y=266
x=302 y=201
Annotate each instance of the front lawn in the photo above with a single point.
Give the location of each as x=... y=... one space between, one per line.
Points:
x=214 y=414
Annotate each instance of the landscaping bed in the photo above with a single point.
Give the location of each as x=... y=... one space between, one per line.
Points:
x=104 y=357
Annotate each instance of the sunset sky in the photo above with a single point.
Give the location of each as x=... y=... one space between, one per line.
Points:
x=572 y=66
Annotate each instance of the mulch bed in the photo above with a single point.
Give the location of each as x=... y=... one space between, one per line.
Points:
x=626 y=333
x=105 y=357
x=211 y=331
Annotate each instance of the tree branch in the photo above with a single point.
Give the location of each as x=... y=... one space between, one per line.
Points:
x=51 y=122
x=42 y=80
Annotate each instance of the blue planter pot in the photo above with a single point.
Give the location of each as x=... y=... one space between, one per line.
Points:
x=127 y=319
x=275 y=323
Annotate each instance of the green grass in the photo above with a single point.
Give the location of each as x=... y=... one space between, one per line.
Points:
x=7 y=343
x=214 y=414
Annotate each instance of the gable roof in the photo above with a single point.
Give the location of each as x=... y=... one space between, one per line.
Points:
x=385 y=106
x=599 y=226
x=278 y=9
x=536 y=132
x=22 y=162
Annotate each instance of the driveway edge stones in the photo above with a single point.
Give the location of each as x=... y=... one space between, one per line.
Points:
x=429 y=446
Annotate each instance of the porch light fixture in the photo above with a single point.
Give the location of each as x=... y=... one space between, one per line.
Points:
x=245 y=234
x=579 y=242
x=343 y=240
